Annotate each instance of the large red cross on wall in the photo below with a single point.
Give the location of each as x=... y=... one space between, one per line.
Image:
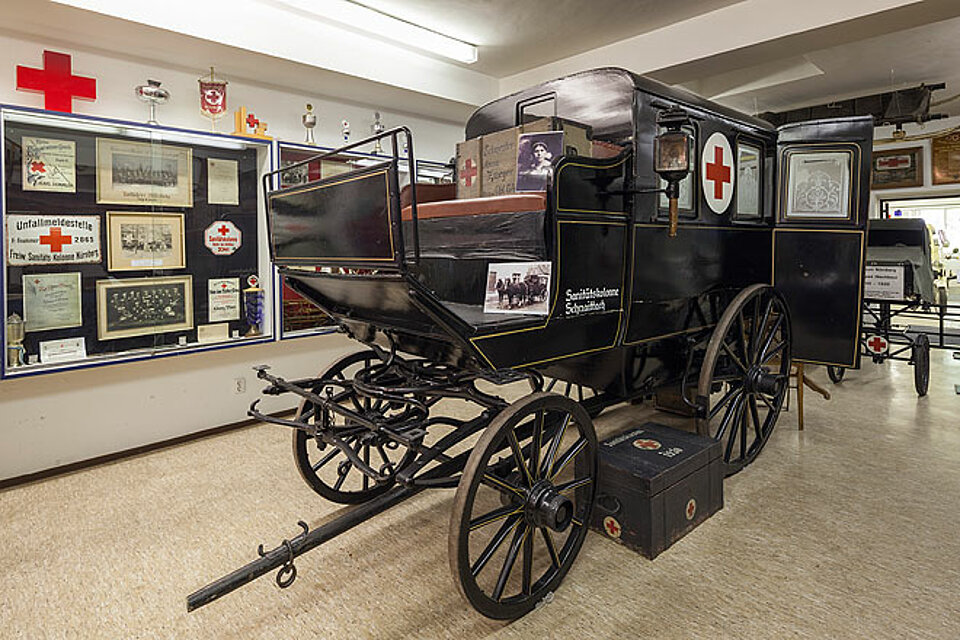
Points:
x=718 y=172
x=56 y=82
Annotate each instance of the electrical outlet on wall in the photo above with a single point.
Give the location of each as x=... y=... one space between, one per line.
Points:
x=241 y=384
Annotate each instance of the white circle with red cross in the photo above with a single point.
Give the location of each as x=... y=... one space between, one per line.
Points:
x=222 y=238
x=646 y=444
x=877 y=344
x=691 y=509
x=612 y=527
x=717 y=172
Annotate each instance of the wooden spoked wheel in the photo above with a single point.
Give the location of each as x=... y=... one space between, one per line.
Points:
x=523 y=505
x=920 y=352
x=325 y=468
x=745 y=375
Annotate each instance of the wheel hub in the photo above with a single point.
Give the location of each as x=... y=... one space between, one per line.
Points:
x=546 y=507
x=761 y=380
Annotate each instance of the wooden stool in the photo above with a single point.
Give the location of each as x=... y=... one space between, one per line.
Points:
x=796 y=371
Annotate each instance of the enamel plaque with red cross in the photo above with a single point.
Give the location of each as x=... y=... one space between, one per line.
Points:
x=877 y=345
x=222 y=238
x=717 y=172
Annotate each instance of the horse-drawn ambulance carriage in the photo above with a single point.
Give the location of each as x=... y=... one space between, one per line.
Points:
x=698 y=256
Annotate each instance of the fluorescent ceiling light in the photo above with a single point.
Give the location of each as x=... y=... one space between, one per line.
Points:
x=359 y=17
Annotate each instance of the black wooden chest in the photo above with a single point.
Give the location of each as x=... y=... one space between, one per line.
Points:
x=656 y=484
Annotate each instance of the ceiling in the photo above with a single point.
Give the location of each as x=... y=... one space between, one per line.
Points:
x=890 y=49
x=515 y=35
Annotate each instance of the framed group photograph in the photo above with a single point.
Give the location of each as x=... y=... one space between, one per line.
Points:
x=137 y=241
x=142 y=173
x=144 y=306
x=897 y=168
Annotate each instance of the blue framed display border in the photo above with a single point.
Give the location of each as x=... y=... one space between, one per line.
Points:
x=146 y=353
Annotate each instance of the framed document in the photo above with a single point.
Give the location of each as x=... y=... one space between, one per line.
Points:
x=223 y=184
x=144 y=306
x=137 y=241
x=896 y=168
x=49 y=165
x=945 y=151
x=144 y=173
x=51 y=301
x=818 y=184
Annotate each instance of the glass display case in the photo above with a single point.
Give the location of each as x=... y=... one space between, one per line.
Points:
x=125 y=241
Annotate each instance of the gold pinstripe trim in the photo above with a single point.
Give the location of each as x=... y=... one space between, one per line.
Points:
x=553 y=305
x=863 y=240
x=586 y=166
x=390 y=223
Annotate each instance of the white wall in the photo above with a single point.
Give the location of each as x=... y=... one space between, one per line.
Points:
x=279 y=107
x=56 y=419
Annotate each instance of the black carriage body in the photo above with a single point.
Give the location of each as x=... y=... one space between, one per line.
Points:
x=625 y=297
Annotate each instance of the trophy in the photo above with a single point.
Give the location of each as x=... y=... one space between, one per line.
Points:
x=309 y=120
x=152 y=94
x=377 y=128
x=345 y=130
x=15 y=350
x=253 y=309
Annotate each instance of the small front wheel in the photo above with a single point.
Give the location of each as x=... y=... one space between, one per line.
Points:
x=523 y=505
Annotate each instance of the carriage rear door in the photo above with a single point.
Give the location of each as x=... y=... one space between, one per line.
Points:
x=819 y=238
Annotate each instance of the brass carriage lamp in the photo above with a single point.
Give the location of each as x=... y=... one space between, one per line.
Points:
x=671 y=156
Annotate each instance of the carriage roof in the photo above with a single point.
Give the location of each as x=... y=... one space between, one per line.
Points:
x=602 y=99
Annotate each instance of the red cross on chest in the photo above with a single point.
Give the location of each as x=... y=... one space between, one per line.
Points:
x=877 y=344
x=224 y=230
x=612 y=527
x=56 y=240
x=469 y=172
x=718 y=172
x=56 y=82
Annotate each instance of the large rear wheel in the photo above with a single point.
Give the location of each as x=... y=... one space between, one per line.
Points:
x=745 y=375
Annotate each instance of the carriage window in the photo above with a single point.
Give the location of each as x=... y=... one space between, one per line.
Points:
x=818 y=184
x=748 y=181
x=686 y=201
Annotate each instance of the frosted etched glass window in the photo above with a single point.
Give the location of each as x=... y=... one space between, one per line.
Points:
x=818 y=185
x=748 y=181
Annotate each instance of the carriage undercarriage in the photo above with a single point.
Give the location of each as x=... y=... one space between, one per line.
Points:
x=525 y=472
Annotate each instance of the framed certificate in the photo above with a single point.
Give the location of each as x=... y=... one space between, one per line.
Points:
x=137 y=241
x=51 y=301
x=144 y=173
